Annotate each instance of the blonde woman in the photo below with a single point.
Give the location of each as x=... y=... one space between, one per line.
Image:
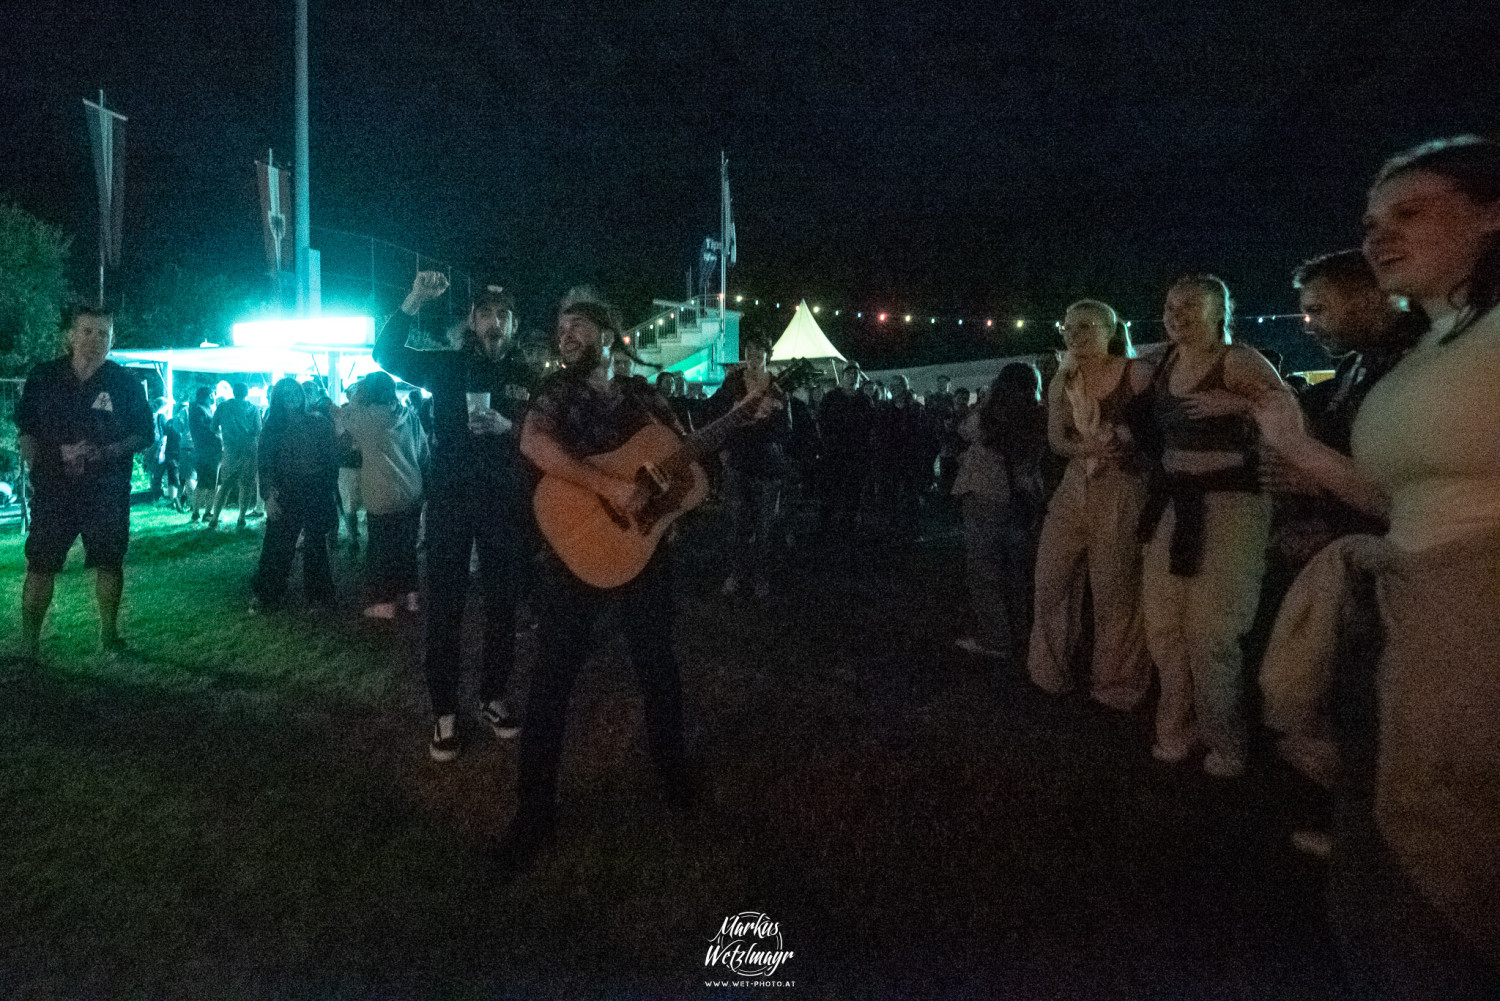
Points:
x=1090 y=529
x=1207 y=554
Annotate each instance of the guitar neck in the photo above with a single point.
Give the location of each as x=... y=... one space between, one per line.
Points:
x=712 y=438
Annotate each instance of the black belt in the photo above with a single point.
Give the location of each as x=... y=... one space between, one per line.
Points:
x=1185 y=492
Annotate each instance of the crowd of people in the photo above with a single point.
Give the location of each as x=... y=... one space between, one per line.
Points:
x=1322 y=559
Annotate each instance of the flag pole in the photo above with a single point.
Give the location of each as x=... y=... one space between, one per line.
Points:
x=109 y=160
x=723 y=238
x=301 y=171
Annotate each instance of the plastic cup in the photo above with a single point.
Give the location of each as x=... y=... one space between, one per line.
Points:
x=478 y=402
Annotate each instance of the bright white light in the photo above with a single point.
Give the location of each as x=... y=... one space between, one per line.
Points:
x=739 y=298
x=319 y=331
x=1020 y=324
x=816 y=308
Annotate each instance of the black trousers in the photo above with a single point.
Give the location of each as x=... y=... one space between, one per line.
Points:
x=843 y=486
x=310 y=516
x=569 y=609
x=393 y=553
x=455 y=525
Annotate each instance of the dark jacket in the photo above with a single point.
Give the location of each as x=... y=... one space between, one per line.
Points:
x=760 y=448
x=298 y=459
x=464 y=463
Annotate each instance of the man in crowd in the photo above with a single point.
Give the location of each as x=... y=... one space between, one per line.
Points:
x=81 y=419
x=477 y=495
x=845 y=419
x=581 y=412
x=238 y=423
x=1354 y=321
x=207 y=450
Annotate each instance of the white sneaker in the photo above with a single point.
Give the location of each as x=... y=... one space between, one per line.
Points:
x=1171 y=755
x=1318 y=844
x=444 y=746
x=969 y=644
x=383 y=610
x=1221 y=767
x=497 y=714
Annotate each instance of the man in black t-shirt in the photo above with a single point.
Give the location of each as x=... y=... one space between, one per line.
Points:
x=207 y=450
x=81 y=420
x=577 y=413
x=846 y=418
x=478 y=494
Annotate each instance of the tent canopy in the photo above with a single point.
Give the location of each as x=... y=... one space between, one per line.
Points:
x=803 y=338
x=353 y=363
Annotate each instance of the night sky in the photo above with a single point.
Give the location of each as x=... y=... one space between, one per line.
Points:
x=973 y=160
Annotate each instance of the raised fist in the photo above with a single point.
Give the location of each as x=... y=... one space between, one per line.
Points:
x=428 y=285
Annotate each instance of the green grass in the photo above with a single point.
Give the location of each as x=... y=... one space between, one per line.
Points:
x=245 y=809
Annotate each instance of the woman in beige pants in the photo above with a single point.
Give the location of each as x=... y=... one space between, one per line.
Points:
x=1211 y=525
x=1090 y=531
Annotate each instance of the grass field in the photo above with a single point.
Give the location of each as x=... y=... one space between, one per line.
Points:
x=244 y=809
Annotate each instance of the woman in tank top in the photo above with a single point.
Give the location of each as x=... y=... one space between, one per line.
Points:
x=1415 y=887
x=1209 y=526
x=1090 y=529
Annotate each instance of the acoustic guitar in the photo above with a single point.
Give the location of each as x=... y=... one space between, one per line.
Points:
x=600 y=544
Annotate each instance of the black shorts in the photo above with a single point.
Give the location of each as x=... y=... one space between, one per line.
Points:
x=59 y=518
x=208 y=472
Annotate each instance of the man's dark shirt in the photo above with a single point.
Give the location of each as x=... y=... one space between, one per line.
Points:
x=587 y=420
x=206 y=444
x=845 y=419
x=57 y=409
x=1332 y=404
x=238 y=421
x=464 y=462
x=1330 y=408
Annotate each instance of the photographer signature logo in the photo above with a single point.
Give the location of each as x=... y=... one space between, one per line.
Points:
x=748 y=945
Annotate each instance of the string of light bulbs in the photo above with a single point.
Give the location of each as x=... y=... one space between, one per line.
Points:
x=896 y=317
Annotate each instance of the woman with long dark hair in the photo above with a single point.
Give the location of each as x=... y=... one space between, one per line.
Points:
x=1415 y=887
x=299 y=475
x=1210 y=523
x=1000 y=484
x=1092 y=518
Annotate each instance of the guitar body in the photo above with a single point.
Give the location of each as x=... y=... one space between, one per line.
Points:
x=602 y=547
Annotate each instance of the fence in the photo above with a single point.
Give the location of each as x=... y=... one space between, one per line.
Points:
x=13 y=507
x=371 y=274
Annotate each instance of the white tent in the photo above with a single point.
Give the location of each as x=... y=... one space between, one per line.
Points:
x=803 y=338
x=340 y=367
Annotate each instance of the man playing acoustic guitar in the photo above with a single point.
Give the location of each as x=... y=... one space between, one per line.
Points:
x=578 y=413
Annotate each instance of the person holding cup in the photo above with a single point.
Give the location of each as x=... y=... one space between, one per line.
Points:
x=478 y=493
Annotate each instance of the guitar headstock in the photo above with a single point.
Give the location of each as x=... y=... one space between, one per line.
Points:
x=801 y=372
